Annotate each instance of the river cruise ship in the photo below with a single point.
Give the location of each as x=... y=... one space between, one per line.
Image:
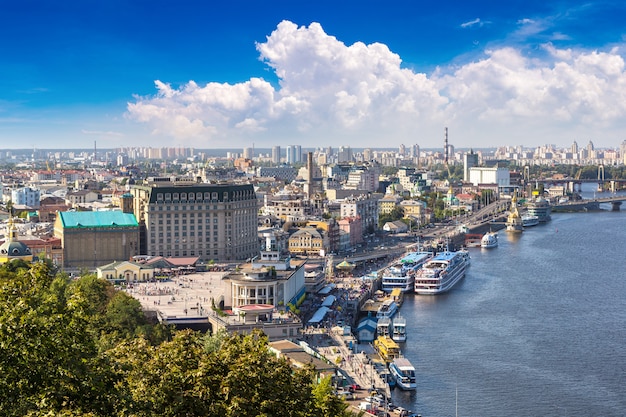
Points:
x=540 y=208
x=404 y=373
x=441 y=273
x=401 y=274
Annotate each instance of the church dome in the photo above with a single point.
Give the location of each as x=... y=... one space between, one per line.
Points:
x=14 y=249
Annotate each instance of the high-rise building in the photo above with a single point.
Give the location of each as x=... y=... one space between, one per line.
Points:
x=248 y=153
x=344 y=154
x=298 y=153
x=470 y=160
x=276 y=155
x=211 y=221
x=291 y=155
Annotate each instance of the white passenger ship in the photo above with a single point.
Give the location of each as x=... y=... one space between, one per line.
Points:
x=404 y=373
x=529 y=220
x=489 y=240
x=401 y=274
x=441 y=273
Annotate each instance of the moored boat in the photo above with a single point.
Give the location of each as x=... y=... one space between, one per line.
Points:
x=398 y=332
x=404 y=373
x=387 y=309
x=387 y=349
x=441 y=273
x=540 y=208
x=383 y=326
x=489 y=240
x=401 y=274
x=530 y=220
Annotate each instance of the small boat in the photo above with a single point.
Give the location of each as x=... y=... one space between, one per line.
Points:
x=383 y=327
x=398 y=327
x=404 y=373
x=530 y=220
x=387 y=309
x=387 y=349
x=489 y=240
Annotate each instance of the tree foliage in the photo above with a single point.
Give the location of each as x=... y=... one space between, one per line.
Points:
x=80 y=347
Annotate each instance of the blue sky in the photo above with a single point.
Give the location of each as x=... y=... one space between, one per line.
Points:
x=359 y=73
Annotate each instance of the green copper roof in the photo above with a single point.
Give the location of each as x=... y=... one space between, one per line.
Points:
x=72 y=219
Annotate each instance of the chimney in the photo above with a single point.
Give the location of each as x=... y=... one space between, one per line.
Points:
x=309 y=165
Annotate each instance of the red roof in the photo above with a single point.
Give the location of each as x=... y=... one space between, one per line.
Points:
x=183 y=261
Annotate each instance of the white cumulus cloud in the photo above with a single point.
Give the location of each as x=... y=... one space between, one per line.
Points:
x=329 y=91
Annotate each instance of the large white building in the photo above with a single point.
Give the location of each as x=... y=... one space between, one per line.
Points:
x=490 y=175
x=26 y=196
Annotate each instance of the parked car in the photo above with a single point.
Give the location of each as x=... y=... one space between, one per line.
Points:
x=355 y=387
x=346 y=395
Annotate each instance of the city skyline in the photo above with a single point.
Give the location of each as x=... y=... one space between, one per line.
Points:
x=239 y=75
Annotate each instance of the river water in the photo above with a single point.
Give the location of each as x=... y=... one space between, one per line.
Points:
x=536 y=328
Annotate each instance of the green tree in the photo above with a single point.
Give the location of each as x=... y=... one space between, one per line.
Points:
x=48 y=357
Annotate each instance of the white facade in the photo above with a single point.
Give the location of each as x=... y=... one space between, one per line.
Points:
x=490 y=175
x=26 y=196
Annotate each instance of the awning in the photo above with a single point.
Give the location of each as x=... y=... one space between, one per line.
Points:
x=319 y=315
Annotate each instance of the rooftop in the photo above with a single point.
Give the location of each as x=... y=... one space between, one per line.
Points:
x=78 y=219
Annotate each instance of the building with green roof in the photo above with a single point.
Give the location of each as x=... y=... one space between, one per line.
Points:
x=92 y=238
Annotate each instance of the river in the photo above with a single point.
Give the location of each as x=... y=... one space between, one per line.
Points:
x=537 y=327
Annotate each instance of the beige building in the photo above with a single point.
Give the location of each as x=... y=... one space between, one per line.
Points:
x=92 y=238
x=388 y=203
x=79 y=197
x=414 y=209
x=306 y=241
x=126 y=270
x=185 y=218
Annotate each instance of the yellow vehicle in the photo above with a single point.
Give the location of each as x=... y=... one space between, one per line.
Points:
x=387 y=348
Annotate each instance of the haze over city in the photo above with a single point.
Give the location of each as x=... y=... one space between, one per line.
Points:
x=362 y=74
